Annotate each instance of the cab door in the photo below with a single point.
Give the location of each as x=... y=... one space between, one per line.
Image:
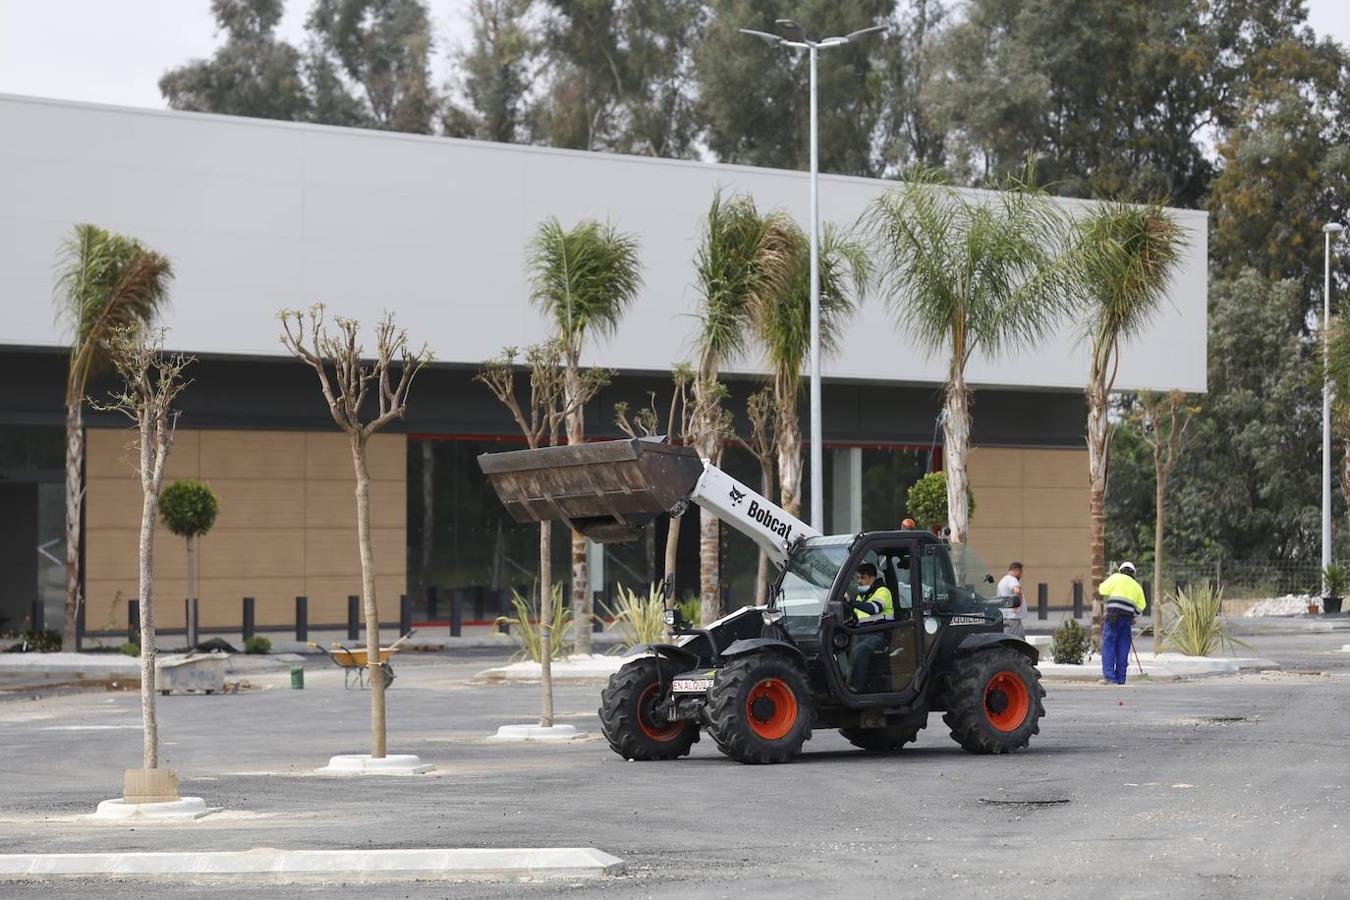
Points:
x=879 y=658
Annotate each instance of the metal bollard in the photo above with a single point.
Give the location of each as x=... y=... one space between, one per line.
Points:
x=250 y=618
x=134 y=621
x=302 y=619
x=38 y=616
x=353 y=617
x=1078 y=599
x=432 y=604
x=79 y=626
x=1042 y=601
x=456 y=612
x=404 y=614
x=597 y=621
x=1148 y=598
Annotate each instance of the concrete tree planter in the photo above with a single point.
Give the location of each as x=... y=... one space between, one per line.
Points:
x=151 y=795
x=364 y=764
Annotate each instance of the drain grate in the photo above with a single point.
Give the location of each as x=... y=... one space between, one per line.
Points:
x=1024 y=801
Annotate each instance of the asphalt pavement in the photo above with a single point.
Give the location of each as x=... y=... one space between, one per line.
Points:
x=1223 y=787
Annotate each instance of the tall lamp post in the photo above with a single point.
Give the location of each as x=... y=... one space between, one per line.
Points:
x=813 y=47
x=1329 y=231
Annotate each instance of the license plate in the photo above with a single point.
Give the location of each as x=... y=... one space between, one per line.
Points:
x=691 y=685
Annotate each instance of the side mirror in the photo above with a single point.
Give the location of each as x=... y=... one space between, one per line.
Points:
x=835 y=610
x=988 y=579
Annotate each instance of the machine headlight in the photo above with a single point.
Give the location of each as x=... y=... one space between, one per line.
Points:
x=670 y=617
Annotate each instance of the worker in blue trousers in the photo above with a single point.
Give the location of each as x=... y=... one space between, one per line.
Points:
x=1124 y=600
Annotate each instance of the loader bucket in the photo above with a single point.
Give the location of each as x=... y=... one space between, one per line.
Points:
x=607 y=491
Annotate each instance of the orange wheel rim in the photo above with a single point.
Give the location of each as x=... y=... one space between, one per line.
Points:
x=1006 y=701
x=771 y=709
x=645 y=704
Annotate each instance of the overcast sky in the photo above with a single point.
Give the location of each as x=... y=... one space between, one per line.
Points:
x=114 y=51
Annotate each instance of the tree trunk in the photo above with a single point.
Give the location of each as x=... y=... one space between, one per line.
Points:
x=74 y=501
x=146 y=589
x=428 y=512
x=762 y=575
x=710 y=573
x=546 y=623
x=672 y=559
x=581 y=582
x=789 y=440
x=956 y=451
x=1158 y=558
x=1098 y=444
x=372 y=614
x=192 y=623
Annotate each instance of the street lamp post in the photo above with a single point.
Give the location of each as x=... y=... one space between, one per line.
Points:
x=817 y=465
x=1329 y=231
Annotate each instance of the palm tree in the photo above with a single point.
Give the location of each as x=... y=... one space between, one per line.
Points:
x=968 y=274
x=743 y=260
x=583 y=280
x=106 y=284
x=783 y=324
x=1124 y=256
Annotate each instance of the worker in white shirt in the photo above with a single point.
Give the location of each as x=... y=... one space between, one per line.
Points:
x=1014 y=603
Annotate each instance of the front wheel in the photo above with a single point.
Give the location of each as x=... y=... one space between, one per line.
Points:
x=994 y=701
x=761 y=709
x=628 y=713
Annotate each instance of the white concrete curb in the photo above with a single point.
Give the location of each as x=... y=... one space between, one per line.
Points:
x=290 y=866
x=537 y=733
x=363 y=764
x=184 y=809
x=1164 y=667
x=596 y=667
x=1345 y=648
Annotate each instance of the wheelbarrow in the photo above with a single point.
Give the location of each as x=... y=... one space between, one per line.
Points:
x=355 y=662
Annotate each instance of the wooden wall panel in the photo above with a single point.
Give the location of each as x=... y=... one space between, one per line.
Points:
x=1032 y=506
x=283 y=496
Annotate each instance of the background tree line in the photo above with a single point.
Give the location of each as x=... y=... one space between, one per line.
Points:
x=1232 y=106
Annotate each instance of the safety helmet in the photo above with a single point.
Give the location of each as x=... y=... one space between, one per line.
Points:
x=1127 y=568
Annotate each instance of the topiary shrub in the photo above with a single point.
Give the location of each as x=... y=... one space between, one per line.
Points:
x=1070 y=643
x=257 y=644
x=45 y=641
x=926 y=501
x=188 y=508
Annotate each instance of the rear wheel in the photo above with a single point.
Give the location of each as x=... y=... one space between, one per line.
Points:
x=761 y=709
x=628 y=713
x=994 y=701
x=886 y=739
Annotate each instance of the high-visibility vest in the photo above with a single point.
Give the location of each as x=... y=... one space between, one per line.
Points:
x=1123 y=593
x=880 y=594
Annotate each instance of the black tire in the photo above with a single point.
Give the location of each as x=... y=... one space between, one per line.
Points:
x=786 y=709
x=886 y=739
x=994 y=701
x=625 y=713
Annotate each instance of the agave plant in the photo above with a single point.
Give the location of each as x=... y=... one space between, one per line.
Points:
x=525 y=625
x=639 y=619
x=1196 y=627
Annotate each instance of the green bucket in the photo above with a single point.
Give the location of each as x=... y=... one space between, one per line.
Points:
x=298 y=678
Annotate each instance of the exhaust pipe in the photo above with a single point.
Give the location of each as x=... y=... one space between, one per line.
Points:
x=607 y=491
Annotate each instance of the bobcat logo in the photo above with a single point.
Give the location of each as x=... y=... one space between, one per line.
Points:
x=737 y=497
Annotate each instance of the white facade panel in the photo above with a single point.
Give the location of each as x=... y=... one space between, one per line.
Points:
x=258 y=215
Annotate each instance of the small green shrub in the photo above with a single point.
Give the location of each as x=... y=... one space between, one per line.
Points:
x=638 y=620
x=1336 y=578
x=692 y=610
x=525 y=626
x=926 y=501
x=130 y=649
x=257 y=644
x=45 y=641
x=1194 y=626
x=1070 y=644
x=188 y=508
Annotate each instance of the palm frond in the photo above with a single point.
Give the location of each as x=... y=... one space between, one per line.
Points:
x=105 y=283
x=584 y=279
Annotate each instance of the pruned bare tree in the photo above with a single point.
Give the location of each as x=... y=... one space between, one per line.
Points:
x=347 y=381
x=540 y=420
x=762 y=410
x=151 y=381
x=646 y=423
x=1163 y=420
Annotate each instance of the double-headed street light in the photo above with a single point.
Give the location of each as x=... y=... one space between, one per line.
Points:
x=813 y=47
x=1329 y=230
